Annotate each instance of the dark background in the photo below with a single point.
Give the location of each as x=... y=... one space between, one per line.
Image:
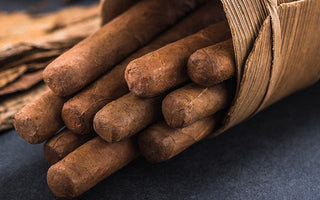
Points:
x=275 y=155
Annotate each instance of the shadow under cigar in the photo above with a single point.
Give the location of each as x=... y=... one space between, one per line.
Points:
x=23 y=169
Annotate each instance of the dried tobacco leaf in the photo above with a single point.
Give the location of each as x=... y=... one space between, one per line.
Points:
x=11 y=75
x=24 y=83
x=48 y=46
x=19 y=26
x=11 y=105
x=35 y=66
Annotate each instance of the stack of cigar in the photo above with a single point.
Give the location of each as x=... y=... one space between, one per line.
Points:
x=154 y=81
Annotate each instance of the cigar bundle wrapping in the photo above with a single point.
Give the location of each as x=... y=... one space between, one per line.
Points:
x=163 y=68
x=270 y=62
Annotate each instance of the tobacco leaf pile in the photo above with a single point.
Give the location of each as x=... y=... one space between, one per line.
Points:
x=28 y=44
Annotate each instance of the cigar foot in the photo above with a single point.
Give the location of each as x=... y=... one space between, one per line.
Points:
x=60 y=183
x=55 y=77
x=27 y=128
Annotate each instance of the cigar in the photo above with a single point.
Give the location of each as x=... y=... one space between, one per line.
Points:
x=191 y=103
x=109 y=9
x=165 y=68
x=88 y=165
x=160 y=142
x=60 y=145
x=126 y=116
x=212 y=65
x=96 y=54
x=41 y=119
x=78 y=112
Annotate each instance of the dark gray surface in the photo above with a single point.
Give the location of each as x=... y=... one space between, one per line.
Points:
x=275 y=155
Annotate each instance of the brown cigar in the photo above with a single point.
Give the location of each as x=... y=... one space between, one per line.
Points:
x=88 y=165
x=190 y=103
x=92 y=57
x=126 y=116
x=109 y=9
x=78 y=112
x=160 y=142
x=41 y=119
x=60 y=145
x=165 y=68
x=213 y=64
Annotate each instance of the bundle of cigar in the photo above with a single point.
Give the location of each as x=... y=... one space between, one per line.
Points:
x=153 y=81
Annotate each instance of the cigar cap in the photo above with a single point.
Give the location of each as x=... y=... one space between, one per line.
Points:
x=40 y=119
x=198 y=68
x=26 y=128
x=52 y=76
x=212 y=65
